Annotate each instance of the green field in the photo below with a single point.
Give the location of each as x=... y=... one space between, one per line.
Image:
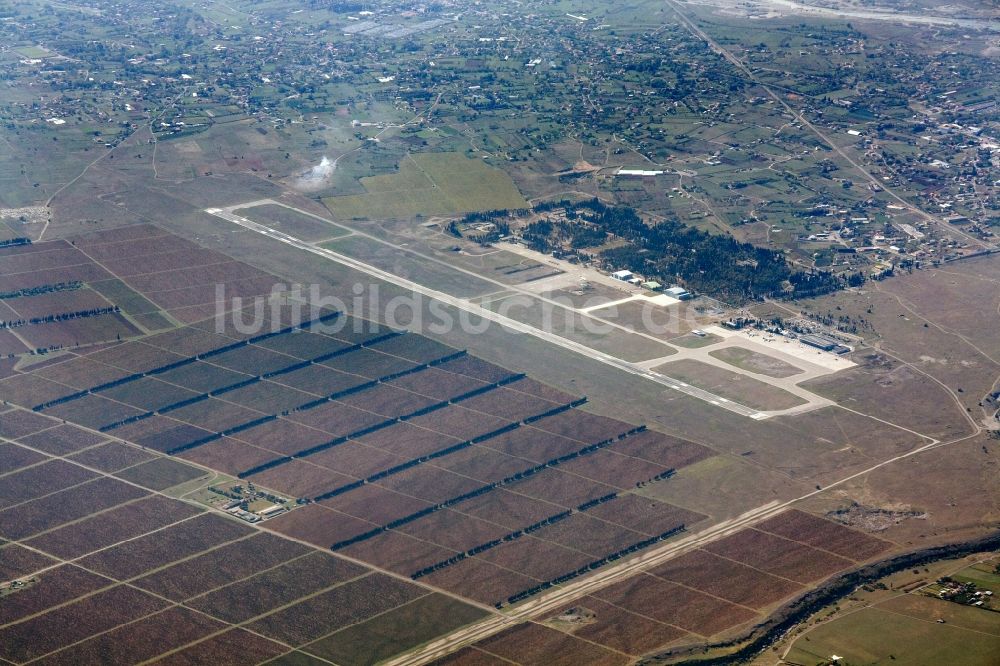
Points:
x=33 y=52
x=904 y=630
x=430 y=184
x=984 y=575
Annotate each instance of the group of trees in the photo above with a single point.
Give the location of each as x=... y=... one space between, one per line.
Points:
x=546 y=236
x=500 y=219
x=669 y=250
x=492 y=215
x=845 y=323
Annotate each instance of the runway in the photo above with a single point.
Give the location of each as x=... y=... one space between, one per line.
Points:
x=506 y=322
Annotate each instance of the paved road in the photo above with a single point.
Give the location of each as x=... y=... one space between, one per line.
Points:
x=533 y=292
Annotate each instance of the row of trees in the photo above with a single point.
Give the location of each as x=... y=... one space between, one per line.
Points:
x=65 y=316
x=41 y=289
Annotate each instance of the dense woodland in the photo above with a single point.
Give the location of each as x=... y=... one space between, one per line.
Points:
x=671 y=251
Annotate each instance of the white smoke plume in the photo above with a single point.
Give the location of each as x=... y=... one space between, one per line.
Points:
x=317 y=176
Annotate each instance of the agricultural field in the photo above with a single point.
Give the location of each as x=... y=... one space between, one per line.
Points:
x=697 y=595
x=96 y=567
x=391 y=440
x=372 y=488
x=984 y=574
x=908 y=630
x=532 y=643
x=430 y=184
x=190 y=479
x=392 y=632
x=56 y=295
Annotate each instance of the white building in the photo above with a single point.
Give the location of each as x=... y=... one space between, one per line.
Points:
x=680 y=293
